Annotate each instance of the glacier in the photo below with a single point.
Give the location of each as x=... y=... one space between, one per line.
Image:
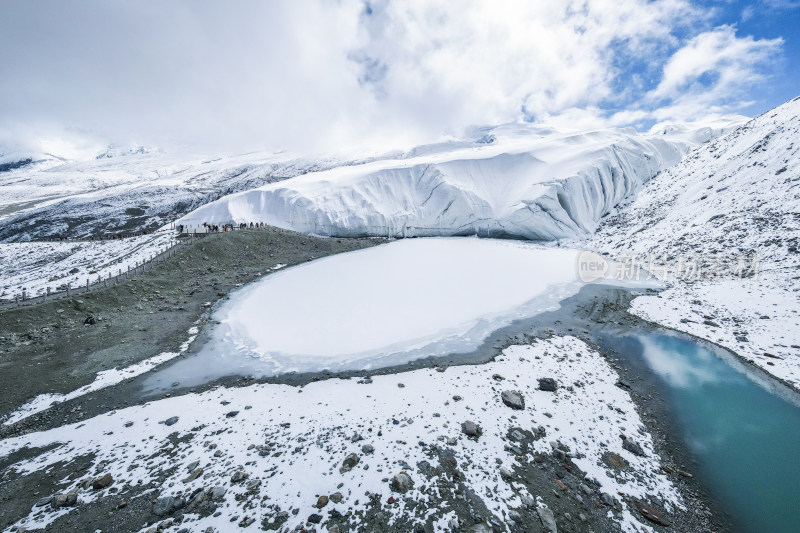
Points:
x=513 y=181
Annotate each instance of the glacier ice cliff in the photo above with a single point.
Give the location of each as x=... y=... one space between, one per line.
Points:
x=515 y=181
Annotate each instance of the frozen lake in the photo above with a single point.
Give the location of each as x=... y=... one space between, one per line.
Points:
x=380 y=307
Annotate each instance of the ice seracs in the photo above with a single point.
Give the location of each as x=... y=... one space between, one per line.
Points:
x=517 y=180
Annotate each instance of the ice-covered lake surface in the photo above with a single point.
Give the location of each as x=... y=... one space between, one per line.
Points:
x=380 y=307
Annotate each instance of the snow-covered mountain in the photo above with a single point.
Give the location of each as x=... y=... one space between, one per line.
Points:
x=515 y=180
x=733 y=203
x=128 y=189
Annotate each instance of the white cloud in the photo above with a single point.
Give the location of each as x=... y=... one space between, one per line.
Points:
x=711 y=72
x=324 y=74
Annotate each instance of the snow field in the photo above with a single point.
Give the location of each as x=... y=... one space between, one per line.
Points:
x=312 y=428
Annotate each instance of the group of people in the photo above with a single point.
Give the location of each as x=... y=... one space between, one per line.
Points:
x=210 y=228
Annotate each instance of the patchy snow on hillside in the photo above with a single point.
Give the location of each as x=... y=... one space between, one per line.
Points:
x=257 y=451
x=514 y=181
x=737 y=198
x=104 y=378
x=35 y=266
x=132 y=191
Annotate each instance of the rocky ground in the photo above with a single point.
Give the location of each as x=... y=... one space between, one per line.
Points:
x=49 y=348
x=531 y=440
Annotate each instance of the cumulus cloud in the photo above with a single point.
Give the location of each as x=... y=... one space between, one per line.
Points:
x=324 y=74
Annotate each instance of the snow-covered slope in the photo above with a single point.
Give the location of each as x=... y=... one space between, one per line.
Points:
x=126 y=191
x=512 y=181
x=733 y=202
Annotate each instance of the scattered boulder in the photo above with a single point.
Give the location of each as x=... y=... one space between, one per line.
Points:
x=367 y=449
x=527 y=500
x=68 y=499
x=402 y=482
x=322 y=501
x=218 y=492
x=315 y=518
x=615 y=460
x=633 y=447
x=44 y=501
x=90 y=321
x=548 y=384
x=608 y=499
x=196 y=473
x=547 y=517
x=166 y=505
x=102 y=482
x=349 y=462
x=505 y=473
x=336 y=497
x=238 y=476
x=471 y=429
x=170 y=421
x=651 y=513
x=513 y=399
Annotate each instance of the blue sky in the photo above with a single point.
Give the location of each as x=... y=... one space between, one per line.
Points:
x=769 y=20
x=324 y=75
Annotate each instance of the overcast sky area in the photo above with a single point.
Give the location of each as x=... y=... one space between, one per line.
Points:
x=322 y=75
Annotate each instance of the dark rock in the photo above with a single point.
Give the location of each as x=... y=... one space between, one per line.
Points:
x=513 y=399
x=651 y=513
x=367 y=449
x=44 y=501
x=164 y=506
x=336 y=497
x=402 y=482
x=548 y=519
x=64 y=500
x=171 y=420
x=322 y=501
x=349 y=462
x=102 y=482
x=471 y=429
x=231 y=414
x=615 y=460
x=633 y=447
x=315 y=518
x=90 y=321
x=548 y=384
